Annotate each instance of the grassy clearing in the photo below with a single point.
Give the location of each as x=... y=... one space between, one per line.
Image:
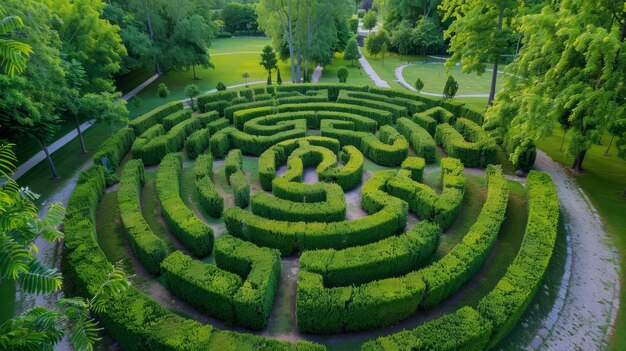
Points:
x=356 y=74
x=434 y=76
x=603 y=181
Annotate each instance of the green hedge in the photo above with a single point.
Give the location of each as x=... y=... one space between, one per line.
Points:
x=333 y=209
x=156 y=116
x=380 y=116
x=303 y=98
x=332 y=88
x=351 y=174
x=269 y=124
x=479 y=151
x=208 y=117
x=416 y=166
x=182 y=222
x=205 y=286
x=289 y=236
x=149 y=248
x=115 y=148
x=175 y=118
x=233 y=162
x=232 y=111
x=368 y=306
x=209 y=198
x=395 y=110
x=216 y=106
x=222 y=141
x=197 y=143
x=424 y=201
x=506 y=303
x=261 y=269
x=226 y=95
x=444 y=277
x=152 y=149
x=412 y=106
x=241 y=189
x=463 y=329
x=391 y=257
x=422 y=142
x=429 y=119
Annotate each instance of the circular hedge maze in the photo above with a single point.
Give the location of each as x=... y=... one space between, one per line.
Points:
x=293 y=156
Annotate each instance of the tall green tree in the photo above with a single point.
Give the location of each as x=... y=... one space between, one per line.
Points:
x=105 y=107
x=370 y=19
x=268 y=61
x=13 y=53
x=374 y=42
x=402 y=40
x=189 y=44
x=427 y=37
x=480 y=33
x=352 y=51
x=580 y=79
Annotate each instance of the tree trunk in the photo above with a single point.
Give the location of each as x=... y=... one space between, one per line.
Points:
x=308 y=38
x=494 y=77
x=578 y=161
x=606 y=153
x=563 y=140
x=80 y=135
x=44 y=147
x=291 y=56
x=193 y=67
x=151 y=31
x=269 y=77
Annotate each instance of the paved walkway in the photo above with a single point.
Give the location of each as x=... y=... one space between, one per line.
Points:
x=317 y=74
x=370 y=72
x=139 y=88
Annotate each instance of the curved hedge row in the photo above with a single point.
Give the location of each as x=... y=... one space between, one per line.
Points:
x=429 y=119
x=412 y=106
x=115 y=148
x=231 y=137
x=152 y=148
x=444 y=277
x=183 y=223
x=391 y=257
x=156 y=116
x=350 y=175
x=226 y=95
x=415 y=166
x=506 y=303
x=197 y=143
x=332 y=209
x=396 y=111
x=175 y=118
x=210 y=199
x=149 y=248
x=479 y=151
x=423 y=143
x=290 y=236
x=267 y=125
x=233 y=169
x=424 y=201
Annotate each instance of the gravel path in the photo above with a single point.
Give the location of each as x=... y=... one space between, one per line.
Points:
x=370 y=72
x=317 y=74
x=591 y=297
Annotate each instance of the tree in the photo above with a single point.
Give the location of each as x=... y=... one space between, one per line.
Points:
x=239 y=17
x=191 y=91
x=191 y=40
x=580 y=79
x=419 y=85
x=105 y=108
x=13 y=53
x=342 y=74
x=383 y=51
x=352 y=51
x=220 y=86
x=370 y=19
x=279 y=79
x=245 y=76
x=402 y=40
x=451 y=87
x=412 y=10
x=427 y=37
x=268 y=61
x=20 y=226
x=374 y=42
x=479 y=33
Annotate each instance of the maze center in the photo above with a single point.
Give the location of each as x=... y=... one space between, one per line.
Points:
x=374 y=216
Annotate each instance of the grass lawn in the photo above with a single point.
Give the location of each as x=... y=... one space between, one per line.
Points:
x=434 y=77
x=356 y=74
x=603 y=182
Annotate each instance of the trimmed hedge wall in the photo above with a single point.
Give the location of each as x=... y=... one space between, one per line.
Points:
x=152 y=147
x=332 y=88
x=270 y=124
x=444 y=277
x=261 y=269
x=226 y=95
x=416 y=166
x=506 y=303
x=290 y=236
x=205 y=286
x=424 y=201
x=222 y=141
x=156 y=116
x=479 y=151
x=351 y=174
x=391 y=257
x=183 y=223
x=231 y=111
x=380 y=116
x=209 y=198
x=216 y=106
x=175 y=118
x=432 y=117
x=115 y=148
x=233 y=163
x=241 y=188
x=396 y=111
x=423 y=143
x=149 y=248
x=463 y=329
x=197 y=143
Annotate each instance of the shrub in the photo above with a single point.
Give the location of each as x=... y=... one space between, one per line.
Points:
x=163 y=90
x=415 y=165
x=451 y=87
x=353 y=23
x=220 y=86
x=142 y=123
x=422 y=142
x=241 y=188
x=419 y=85
x=233 y=162
x=183 y=223
x=114 y=149
x=210 y=199
x=175 y=118
x=145 y=244
x=197 y=143
x=342 y=74
x=479 y=151
x=360 y=13
x=350 y=175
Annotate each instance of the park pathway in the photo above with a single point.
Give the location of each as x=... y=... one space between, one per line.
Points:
x=370 y=72
x=317 y=74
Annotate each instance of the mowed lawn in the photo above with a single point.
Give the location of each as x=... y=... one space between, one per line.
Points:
x=604 y=181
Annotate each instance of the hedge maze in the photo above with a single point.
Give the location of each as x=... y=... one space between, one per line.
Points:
x=268 y=175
